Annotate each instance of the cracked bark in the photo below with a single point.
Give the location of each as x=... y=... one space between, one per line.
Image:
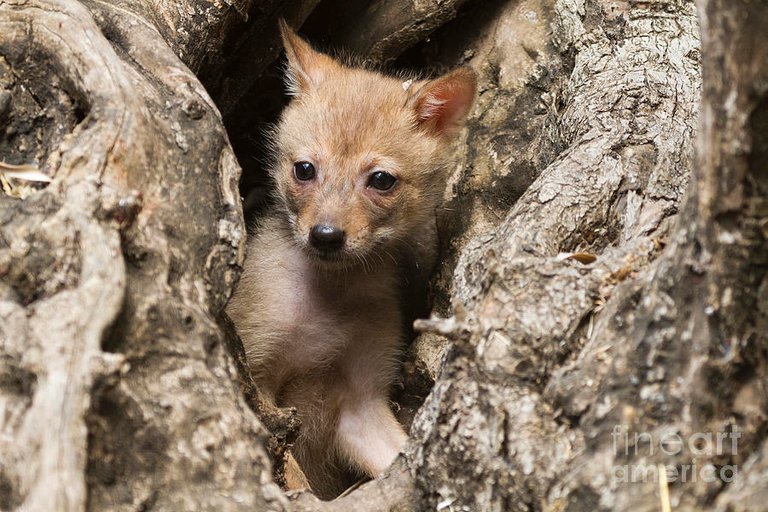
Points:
x=581 y=291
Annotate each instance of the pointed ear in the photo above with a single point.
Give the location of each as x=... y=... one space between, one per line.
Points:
x=306 y=67
x=442 y=104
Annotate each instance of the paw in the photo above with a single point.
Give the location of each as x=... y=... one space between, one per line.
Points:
x=294 y=476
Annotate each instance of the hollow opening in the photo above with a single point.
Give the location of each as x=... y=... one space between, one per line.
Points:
x=38 y=109
x=527 y=147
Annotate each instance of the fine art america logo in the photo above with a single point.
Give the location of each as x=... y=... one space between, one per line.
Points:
x=653 y=445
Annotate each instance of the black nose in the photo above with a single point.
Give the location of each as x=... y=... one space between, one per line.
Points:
x=327 y=238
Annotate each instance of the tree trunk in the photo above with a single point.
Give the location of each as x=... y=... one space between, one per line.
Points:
x=117 y=391
x=588 y=313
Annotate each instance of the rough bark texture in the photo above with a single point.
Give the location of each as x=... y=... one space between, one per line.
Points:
x=527 y=320
x=117 y=391
x=581 y=295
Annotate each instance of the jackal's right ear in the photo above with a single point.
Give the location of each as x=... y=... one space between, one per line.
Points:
x=306 y=67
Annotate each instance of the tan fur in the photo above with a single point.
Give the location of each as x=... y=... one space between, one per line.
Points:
x=295 y=479
x=323 y=334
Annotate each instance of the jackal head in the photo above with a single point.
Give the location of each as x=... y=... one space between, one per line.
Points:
x=359 y=156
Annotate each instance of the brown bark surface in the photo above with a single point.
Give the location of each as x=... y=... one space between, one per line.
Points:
x=117 y=390
x=603 y=258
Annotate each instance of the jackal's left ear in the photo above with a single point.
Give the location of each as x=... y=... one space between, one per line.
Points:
x=442 y=104
x=306 y=67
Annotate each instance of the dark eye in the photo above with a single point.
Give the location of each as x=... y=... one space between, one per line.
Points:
x=303 y=171
x=381 y=180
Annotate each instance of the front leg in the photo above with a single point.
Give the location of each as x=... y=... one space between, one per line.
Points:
x=368 y=435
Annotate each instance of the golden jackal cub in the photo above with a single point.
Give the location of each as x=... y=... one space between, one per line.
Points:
x=359 y=168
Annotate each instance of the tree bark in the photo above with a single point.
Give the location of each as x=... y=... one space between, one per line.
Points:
x=583 y=307
x=117 y=391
